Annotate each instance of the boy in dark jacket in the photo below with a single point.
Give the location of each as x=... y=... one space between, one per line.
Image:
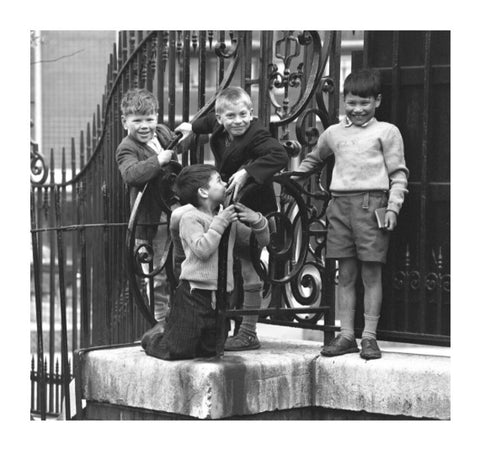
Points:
x=244 y=151
x=141 y=158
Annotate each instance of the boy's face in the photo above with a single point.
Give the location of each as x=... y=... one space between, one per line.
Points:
x=140 y=127
x=216 y=188
x=236 y=118
x=361 y=109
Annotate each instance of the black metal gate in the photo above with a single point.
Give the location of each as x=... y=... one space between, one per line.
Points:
x=417 y=99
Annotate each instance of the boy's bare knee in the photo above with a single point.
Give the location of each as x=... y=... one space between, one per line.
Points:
x=371 y=273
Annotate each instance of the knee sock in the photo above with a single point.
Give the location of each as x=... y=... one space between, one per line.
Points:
x=251 y=300
x=347 y=319
x=370 y=330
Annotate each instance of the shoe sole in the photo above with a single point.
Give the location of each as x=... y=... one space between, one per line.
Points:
x=341 y=352
x=367 y=357
x=241 y=349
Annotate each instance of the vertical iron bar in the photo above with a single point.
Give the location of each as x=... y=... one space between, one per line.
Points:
x=266 y=44
x=246 y=67
x=186 y=86
x=424 y=181
x=41 y=390
x=333 y=110
x=160 y=76
x=221 y=292
x=202 y=63
x=63 y=302
x=51 y=342
x=171 y=79
x=74 y=241
x=221 y=61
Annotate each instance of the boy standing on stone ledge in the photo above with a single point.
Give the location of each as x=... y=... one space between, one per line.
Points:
x=369 y=176
x=245 y=151
x=191 y=329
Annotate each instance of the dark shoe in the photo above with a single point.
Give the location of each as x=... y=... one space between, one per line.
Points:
x=241 y=342
x=339 y=346
x=157 y=329
x=370 y=349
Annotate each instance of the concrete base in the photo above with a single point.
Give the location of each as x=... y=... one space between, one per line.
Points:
x=281 y=376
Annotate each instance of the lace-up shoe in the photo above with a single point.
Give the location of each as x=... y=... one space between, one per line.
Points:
x=340 y=346
x=241 y=342
x=370 y=349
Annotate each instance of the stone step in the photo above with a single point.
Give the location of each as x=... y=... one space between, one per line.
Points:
x=280 y=376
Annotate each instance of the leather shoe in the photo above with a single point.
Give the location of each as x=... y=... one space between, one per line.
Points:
x=370 y=349
x=340 y=346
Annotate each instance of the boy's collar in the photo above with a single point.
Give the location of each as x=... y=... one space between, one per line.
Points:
x=349 y=123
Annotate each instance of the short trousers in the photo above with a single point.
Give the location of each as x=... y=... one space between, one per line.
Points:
x=352 y=227
x=190 y=331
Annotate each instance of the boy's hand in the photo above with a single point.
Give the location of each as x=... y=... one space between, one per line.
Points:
x=390 y=220
x=229 y=214
x=236 y=182
x=246 y=215
x=165 y=157
x=186 y=129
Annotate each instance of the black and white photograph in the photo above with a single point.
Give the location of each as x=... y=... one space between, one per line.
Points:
x=245 y=226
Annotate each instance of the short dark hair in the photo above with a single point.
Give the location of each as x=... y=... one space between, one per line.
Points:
x=190 y=179
x=139 y=101
x=364 y=83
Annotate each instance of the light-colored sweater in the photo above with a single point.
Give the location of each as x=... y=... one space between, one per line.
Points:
x=366 y=158
x=200 y=235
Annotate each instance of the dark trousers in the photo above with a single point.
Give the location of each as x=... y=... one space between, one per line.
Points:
x=190 y=329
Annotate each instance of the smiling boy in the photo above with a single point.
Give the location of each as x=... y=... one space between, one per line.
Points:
x=369 y=173
x=244 y=150
x=141 y=159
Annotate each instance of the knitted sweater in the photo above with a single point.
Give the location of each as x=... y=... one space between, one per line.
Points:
x=367 y=158
x=200 y=235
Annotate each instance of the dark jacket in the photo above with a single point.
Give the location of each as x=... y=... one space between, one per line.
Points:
x=138 y=164
x=257 y=151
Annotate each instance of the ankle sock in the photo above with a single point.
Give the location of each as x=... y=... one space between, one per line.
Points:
x=251 y=300
x=346 y=324
x=371 y=323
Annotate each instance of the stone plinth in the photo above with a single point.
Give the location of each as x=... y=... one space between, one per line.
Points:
x=280 y=376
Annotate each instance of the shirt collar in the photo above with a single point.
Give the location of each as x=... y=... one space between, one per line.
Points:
x=349 y=123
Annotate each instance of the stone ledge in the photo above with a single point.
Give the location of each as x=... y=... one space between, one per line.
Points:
x=282 y=375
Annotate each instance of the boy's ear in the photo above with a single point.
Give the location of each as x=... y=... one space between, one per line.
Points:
x=378 y=100
x=202 y=192
x=218 y=118
x=124 y=122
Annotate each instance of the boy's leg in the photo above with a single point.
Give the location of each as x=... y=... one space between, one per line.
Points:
x=161 y=288
x=183 y=329
x=372 y=283
x=345 y=341
x=246 y=338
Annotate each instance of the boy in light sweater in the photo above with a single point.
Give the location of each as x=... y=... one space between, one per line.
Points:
x=190 y=330
x=369 y=173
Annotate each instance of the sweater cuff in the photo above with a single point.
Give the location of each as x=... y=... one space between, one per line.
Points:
x=219 y=225
x=393 y=207
x=260 y=224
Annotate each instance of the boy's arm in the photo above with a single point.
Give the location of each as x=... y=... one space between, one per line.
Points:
x=267 y=157
x=205 y=124
x=258 y=224
x=135 y=172
x=317 y=156
x=202 y=244
x=393 y=152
